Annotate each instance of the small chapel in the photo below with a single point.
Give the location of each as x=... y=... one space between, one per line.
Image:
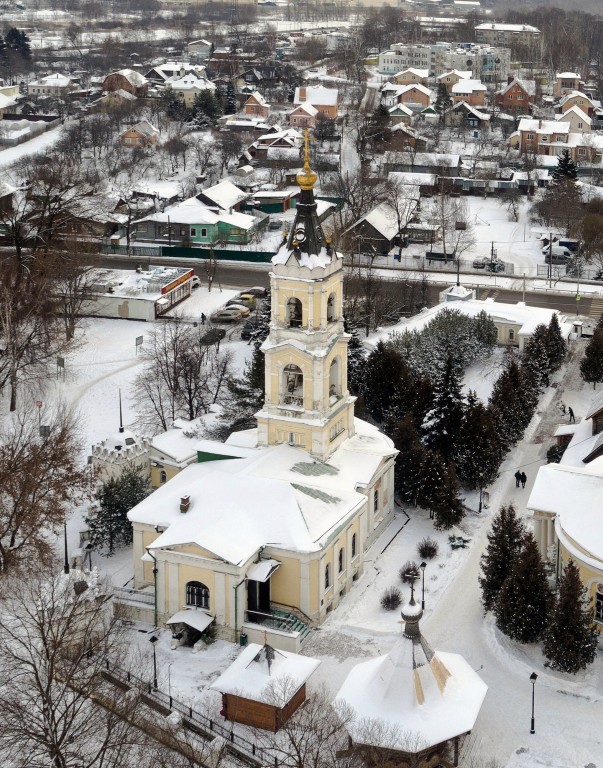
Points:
x=269 y=536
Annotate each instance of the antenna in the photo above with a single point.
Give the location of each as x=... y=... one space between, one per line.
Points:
x=121 y=421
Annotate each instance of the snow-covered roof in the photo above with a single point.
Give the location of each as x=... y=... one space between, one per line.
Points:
x=266 y=674
x=53 y=81
x=534 y=125
x=163 y=190
x=133 y=77
x=567 y=76
x=437 y=159
x=401 y=108
x=574 y=95
x=316 y=94
x=193 y=211
x=258 y=98
x=507 y=27
x=6 y=101
x=225 y=194
x=464 y=74
x=177 y=443
x=423 y=73
x=529 y=86
x=190 y=82
x=468 y=86
x=412 y=698
x=306 y=107
x=413 y=179
x=575 y=110
x=383 y=219
x=414 y=86
x=143 y=127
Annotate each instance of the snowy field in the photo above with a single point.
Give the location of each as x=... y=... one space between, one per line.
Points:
x=360 y=628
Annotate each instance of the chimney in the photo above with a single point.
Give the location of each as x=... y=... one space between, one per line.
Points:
x=540 y=123
x=185 y=502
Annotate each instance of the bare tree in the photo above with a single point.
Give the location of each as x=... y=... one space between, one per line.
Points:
x=40 y=481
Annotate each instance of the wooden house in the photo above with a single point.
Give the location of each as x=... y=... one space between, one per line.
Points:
x=263 y=687
x=126 y=80
x=143 y=134
x=257 y=105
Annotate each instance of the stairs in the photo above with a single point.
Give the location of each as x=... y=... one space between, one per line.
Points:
x=596 y=309
x=289 y=622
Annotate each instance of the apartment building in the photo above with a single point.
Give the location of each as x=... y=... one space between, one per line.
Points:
x=507 y=34
x=485 y=63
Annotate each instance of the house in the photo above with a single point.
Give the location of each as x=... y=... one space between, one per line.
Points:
x=7 y=104
x=115 y=99
x=507 y=34
x=172 y=70
x=566 y=82
x=187 y=88
x=199 y=50
x=376 y=232
x=415 y=97
x=404 y=136
x=256 y=105
x=303 y=116
x=223 y=196
x=57 y=86
x=438 y=163
x=472 y=92
x=578 y=120
x=325 y=100
x=7 y=192
x=143 y=134
x=264 y=686
x=126 y=80
x=463 y=114
x=412 y=76
x=193 y=223
x=399 y=113
x=577 y=99
x=542 y=137
x=453 y=77
x=517 y=97
x=173 y=450
x=434 y=696
x=268 y=544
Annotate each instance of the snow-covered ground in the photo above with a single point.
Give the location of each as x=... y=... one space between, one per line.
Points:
x=360 y=628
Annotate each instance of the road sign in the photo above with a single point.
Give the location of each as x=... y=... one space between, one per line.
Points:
x=39 y=403
x=578 y=297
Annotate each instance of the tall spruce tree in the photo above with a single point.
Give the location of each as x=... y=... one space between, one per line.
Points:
x=356 y=362
x=524 y=603
x=245 y=397
x=566 y=168
x=571 y=640
x=479 y=451
x=535 y=359
x=505 y=540
x=591 y=365
x=556 y=344
x=443 y=100
x=447 y=505
x=410 y=459
x=108 y=520
x=442 y=424
x=385 y=374
x=431 y=476
x=512 y=403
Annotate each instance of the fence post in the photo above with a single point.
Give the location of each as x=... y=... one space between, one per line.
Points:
x=232 y=736
x=253 y=749
x=149 y=685
x=190 y=712
x=171 y=707
x=211 y=725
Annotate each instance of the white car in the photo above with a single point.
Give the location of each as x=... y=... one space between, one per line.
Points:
x=227 y=315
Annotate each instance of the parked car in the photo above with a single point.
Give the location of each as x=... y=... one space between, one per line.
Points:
x=256 y=291
x=557 y=251
x=234 y=304
x=248 y=330
x=227 y=315
x=491 y=265
x=195 y=282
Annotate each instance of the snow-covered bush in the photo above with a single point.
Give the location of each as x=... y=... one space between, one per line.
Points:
x=409 y=571
x=427 y=548
x=391 y=599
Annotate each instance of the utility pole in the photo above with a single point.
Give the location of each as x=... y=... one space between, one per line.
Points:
x=550 y=259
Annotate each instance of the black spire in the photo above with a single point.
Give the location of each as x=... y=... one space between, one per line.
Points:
x=306 y=235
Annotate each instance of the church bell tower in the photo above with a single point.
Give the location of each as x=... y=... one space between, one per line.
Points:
x=307 y=400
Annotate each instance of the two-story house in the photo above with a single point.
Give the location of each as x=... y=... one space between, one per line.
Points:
x=326 y=100
x=566 y=82
x=256 y=105
x=142 y=134
x=577 y=99
x=56 y=85
x=472 y=92
x=453 y=77
x=126 y=80
x=412 y=76
x=303 y=116
x=517 y=97
x=187 y=88
x=540 y=137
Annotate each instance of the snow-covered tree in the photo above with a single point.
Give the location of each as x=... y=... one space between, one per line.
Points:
x=243 y=399
x=505 y=540
x=571 y=640
x=591 y=365
x=447 y=504
x=523 y=604
x=108 y=521
x=385 y=373
x=442 y=424
x=479 y=451
x=535 y=358
x=512 y=403
x=356 y=362
x=410 y=459
x=566 y=168
x=556 y=345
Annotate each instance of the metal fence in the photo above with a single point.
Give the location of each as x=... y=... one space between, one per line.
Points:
x=424 y=263
x=127 y=595
x=246 y=749
x=557 y=271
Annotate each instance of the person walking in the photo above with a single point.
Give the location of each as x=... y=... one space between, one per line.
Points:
x=523 y=479
x=517 y=478
x=571 y=415
x=203 y=318
x=562 y=406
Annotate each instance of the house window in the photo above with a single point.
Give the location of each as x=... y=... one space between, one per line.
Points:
x=193 y=232
x=294 y=312
x=162 y=476
x=341 y=560
x=580 y=125
x=530 y=136
x=519 y=97
x=354 y=553
x=599 y=603
x=511 y=334
x=203 y=232
x=581 y=151
x=197 y=595
x=327 y=575
x=128 y=141
x=376 y=501
x=182 y=231
x=142 y=227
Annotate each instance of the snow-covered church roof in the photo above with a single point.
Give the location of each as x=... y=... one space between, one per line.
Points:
x=413 y=698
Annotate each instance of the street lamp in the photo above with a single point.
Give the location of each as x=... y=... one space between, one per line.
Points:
x=154 y=640
x=533 y=678
x=423 y=566
x=481 y=489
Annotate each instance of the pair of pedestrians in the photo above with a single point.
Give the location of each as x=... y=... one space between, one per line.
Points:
x=520 y=477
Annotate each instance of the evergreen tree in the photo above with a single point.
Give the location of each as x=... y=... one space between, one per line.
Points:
x=566 y=168
x=556 y=344
x=385 y=374
x=206 y=107
x=263 y=318
x=535 y=359
x=512 y=403
x=523 y=605
x=245 y=397
x=479 y=451
x=17 y=41
x=505 y=540
x=356 y=362
x=571 y=640
x=591 y=365
x=409 y=461
x=443 y=100
x=230 y=103
x=378 y=129
x=108 y=521
x=431 y=476
x=447 y=505
x=442 y=424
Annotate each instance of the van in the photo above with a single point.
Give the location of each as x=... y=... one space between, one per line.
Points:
x=557 y=252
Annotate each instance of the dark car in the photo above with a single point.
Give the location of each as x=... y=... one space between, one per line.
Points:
x=248 y=331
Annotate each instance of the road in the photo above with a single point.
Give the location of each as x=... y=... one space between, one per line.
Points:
x=240 y=275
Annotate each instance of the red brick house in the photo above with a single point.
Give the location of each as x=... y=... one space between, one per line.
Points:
x=517 y=97
x=257 y=105
x=126 y=80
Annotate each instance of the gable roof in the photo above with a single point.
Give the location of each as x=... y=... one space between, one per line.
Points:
x=306 y=107
x=529 y=86
x=573 y=95
x=317 y=94
x=468 y=86
x=134 y=78
x=143 y=127
x=257 y=97
x=224 y=194
x=464 y=74
x=580 y=113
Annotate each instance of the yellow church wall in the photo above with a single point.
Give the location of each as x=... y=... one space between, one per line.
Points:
x=313 y=296
x=285 y=584
x=170 y=472
x=148 y=537
x=205 y=575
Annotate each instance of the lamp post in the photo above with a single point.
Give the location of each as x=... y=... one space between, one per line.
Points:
x=533 y=678
x=481 y=489
x=154 y=640
x=422 y=567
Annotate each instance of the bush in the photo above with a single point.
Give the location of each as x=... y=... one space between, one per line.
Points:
x=554 y=454
x=409 y=568
x=391 y=599
x=427 y=548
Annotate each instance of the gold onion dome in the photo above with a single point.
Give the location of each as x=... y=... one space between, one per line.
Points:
x=306 y=178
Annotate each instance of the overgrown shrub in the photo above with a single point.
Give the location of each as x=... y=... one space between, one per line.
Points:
x=408 y=570
x=554 y=454
x=427 y=548
x=391 y=599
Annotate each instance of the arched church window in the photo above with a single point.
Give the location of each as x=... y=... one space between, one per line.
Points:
x=335 y=378
x=327 y=575
x=293 y=385
x=163 y=476
x=197 y=595
x=294 y=312
x=331 y=308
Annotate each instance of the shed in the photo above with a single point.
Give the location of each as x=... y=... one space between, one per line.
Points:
x=263 y=687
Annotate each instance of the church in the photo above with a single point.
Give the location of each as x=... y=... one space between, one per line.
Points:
x=265 y=536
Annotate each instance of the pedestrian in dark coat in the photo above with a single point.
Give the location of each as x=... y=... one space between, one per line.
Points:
x=517 y=478
x=203 y=318
x=571 y=415
x=523 y=479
